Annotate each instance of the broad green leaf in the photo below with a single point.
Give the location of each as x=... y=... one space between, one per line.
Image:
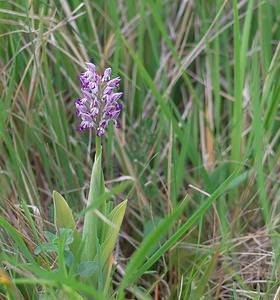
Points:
x=46 y=247
x=104 y=197
x=116 y=217
x=151 y=225
x=240 y=179
x=69 y=238
x=63 y=218
x=86 y=268
x=68 y=258
x=98 y=278
x=69 y=293
x=50 y=236
x=91 y=226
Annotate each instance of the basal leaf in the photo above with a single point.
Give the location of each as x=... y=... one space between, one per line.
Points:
x=63 y=218
x=91 y=226
x=86 y=268
x=116 y=217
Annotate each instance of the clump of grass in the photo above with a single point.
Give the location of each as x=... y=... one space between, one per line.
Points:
x=201 y=93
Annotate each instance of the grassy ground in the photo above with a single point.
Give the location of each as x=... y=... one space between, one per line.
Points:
x=201 y=121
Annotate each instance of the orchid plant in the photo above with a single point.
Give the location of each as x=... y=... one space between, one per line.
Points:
x=92 y=250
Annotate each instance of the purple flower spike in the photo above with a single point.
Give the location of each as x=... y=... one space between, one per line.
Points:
x=99 y=104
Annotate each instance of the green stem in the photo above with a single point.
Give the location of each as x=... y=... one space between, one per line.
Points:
x=97 y=146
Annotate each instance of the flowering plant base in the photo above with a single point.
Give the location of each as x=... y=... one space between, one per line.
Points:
x=93 y=250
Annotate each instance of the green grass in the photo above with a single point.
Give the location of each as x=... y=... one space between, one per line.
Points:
x=200 y=122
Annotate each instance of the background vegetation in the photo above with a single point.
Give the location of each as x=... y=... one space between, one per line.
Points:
x=201 y=119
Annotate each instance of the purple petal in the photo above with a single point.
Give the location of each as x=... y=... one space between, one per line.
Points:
x=78 y=101
x=81 y=128
x=81 y=108
x=91 y=67
x=115 y=114
x=114 y=97
x=92 y=85
x=114 y=82
x=103 y=124
x=86 y=94
x=106 y=75
x=96 y=103
x=119 y=106
x=86 y=117
x=94 y=111
x=117 y=125
x=108 y=90
x=96 y=79
x=84 y=81
x=100 y=131
x=109 y=110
